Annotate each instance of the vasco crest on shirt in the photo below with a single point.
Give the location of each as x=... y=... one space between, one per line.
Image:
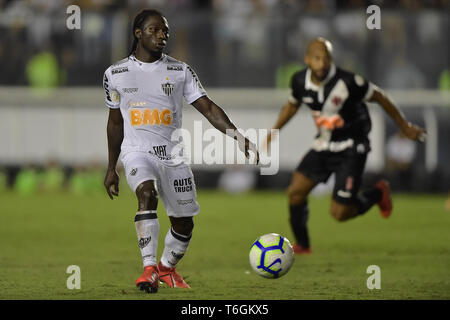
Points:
x=168 y=87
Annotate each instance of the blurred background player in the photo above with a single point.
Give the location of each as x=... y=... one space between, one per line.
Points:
x=337 y=101
x=144 y=93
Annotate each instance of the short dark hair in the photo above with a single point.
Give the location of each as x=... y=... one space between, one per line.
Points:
x=139 y=21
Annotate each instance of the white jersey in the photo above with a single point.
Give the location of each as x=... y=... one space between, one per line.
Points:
x=150 y=98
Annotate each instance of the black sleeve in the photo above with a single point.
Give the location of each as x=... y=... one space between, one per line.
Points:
x=298 y=86
x=358 y=86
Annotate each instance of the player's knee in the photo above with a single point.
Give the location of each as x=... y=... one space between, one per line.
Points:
x=146 y=189
x=149 y=193
x=147 y=197
x=339 y=213
x=295 y=195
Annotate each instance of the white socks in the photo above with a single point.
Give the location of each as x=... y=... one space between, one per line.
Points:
x=175 y=247
x=147 y=230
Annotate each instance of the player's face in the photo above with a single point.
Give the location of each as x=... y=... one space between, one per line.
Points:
x=319 y=61
x=154 y=34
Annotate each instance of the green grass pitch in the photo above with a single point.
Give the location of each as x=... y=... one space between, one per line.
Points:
x=41 y=235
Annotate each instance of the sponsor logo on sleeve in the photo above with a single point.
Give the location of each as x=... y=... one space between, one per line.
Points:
x=119 y=70
x=175 y=68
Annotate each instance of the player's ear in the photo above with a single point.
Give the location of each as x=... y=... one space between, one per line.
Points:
x=138 y=33
x=306 y=59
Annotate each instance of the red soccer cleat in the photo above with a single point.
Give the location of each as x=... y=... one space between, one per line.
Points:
x=385 y=203
x=149 y=280
x=171 y=277
x=298 y=249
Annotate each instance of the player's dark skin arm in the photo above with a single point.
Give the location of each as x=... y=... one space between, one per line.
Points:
x=219 y=119
x=410 y=130
x=114 y=130
x=287 y=112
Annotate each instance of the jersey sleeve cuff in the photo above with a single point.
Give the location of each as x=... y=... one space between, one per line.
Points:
x=293 y=100
x=111 y=106
x=194 y=97
x=371 y=88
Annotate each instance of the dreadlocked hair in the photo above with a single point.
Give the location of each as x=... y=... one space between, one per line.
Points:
x=139 y=21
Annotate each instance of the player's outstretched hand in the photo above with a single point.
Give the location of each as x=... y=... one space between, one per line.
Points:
x=414 y=132
x=250 y=146
x=112 y=183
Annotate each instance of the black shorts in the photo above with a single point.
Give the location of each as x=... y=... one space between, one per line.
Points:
x=348 y=167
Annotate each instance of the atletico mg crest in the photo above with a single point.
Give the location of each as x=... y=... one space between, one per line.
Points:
x=167 y=88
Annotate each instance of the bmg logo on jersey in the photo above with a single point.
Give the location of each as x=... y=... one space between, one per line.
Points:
x=139 y=117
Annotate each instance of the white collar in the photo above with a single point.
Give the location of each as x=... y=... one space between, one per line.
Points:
x=312 y=86
x=142 y=63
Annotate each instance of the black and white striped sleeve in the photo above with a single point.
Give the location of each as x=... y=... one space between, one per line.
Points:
x=112 y=96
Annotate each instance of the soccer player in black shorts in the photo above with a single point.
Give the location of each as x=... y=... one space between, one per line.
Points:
x=337 y=100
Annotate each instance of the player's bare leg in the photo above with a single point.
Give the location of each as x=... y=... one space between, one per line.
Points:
x=298 y=192
x=176 y=243
x=147 y=229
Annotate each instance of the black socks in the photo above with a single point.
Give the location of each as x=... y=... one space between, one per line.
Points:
x=299 y=215
x=367 y=199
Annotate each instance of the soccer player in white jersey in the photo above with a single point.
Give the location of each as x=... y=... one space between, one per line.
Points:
x=144 y=94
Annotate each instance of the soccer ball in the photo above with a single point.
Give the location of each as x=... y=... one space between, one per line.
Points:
x=271 y=256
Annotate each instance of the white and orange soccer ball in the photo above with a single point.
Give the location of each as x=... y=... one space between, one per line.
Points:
x=271 y=256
